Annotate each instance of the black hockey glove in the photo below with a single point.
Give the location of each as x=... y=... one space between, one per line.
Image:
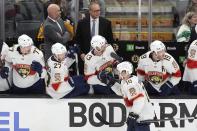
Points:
x=4 y=72
x=36 y=66
x=166 y=88
x=106 y=77
x=132 y=120
x=72 y=50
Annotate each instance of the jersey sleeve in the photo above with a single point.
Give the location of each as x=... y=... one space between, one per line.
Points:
x=69 y=61
x=173 y=69
x=40 y=58
x=140 y=68
x=4 y=50
x=89 y=68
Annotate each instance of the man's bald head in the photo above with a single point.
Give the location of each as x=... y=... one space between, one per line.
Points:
x=54 y=11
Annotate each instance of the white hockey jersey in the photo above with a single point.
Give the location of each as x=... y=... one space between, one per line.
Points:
x=4 y=85
x=157 y=73
x=58 y=86
x=23 y=76
x=95 y=64
x=136 y=99
x=190 y=72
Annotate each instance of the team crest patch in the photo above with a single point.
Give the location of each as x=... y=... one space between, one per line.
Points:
x=23 y=70
x=155 y=77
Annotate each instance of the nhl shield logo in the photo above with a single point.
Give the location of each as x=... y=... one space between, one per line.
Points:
x=23 y=70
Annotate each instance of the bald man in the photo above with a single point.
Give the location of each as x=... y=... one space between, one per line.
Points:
x=54 y=30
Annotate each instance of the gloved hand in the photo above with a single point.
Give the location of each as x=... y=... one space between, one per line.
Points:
x=36 y=66
x=4 y=72
x=72 y=50
x=166 y=88
x=106 y=77
x=132 y=120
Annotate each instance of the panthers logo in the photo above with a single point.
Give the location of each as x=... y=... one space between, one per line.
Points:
x=23 y=70
x=155 y=77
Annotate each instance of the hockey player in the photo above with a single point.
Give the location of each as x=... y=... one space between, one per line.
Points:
x=98 y=62
x=135 y=97
x=61 y=85
x=5 y=86
x=159 y=71
x=191 y=68
x=28 y=67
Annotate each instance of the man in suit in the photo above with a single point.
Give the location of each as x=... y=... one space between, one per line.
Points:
x=92 y=25
x=54 y=30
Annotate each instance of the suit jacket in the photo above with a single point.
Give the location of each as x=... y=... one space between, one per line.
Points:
x=53 y=34
x=83 y=33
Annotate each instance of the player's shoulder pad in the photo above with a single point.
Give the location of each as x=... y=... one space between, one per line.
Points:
x=89 y=57
x=37 y=51
x=168 y=57
x=109 y=48
x=144 y=56
x=132 y=81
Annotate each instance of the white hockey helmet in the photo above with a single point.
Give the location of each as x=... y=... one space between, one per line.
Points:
x=24 y=40
x=98 y=41
x=157 y=46
x=58 y=48
x=125 y=66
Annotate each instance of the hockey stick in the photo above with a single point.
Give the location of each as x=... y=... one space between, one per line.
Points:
x=100 y=118
x=76 y=63
x=8 y=83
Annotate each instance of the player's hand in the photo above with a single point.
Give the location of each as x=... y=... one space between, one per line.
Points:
x=36 y=66
x=106 y=78
x=4 y=72
x=132 y=120
x=73 y=50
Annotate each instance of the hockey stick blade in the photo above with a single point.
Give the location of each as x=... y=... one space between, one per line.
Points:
x=116 y=57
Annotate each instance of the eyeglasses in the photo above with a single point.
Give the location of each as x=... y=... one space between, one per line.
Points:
x=96 y=10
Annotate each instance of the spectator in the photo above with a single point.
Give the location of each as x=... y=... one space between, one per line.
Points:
x=184 y=32
x=5 y=85
x=190 y=71
x=27 y=67
x=61 y=85
x=159 y=71
x=98 y=64
x=192 y=6
x=90 y=26
x=54 y=29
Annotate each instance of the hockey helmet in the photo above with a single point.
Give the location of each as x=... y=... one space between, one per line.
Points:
x=58 y=48
x=24 y=40
x=157 y=46
x=98 y=41
x=125 y=66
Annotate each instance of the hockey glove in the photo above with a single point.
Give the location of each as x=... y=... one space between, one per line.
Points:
x=132 y=120
x=106 y=78
x=36 y=66
x=166 y=88
x=72 y=50
x=4 y=72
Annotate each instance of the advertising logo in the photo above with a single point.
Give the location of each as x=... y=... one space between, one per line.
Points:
x=130 y=47
x=4 y=121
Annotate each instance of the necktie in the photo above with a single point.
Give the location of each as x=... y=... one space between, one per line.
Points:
x=93 y=28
